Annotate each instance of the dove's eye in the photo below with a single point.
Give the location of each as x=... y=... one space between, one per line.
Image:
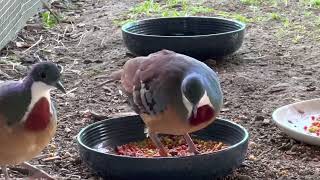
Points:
x=43 y=75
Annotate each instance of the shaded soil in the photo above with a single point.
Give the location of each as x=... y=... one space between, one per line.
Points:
x=275 y=66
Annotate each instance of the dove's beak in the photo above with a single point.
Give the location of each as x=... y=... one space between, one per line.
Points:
x=59 y=86
x=194 y=111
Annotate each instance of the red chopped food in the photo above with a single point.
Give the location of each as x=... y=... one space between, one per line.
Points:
x=315 y=126
x=175 y=145
x=313 y=118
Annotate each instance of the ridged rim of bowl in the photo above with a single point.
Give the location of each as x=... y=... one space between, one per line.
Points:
x=245 y=138
x=125 y=26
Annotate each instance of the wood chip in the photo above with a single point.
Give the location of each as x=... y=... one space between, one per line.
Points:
x=225 y=109
x=123 y=114
x=22 y=45
x=67 y=130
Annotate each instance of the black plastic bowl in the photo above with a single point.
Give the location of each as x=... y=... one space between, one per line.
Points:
x=198 y=37
x=123 y=130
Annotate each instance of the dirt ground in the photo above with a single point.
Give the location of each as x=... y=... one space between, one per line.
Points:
x=276 y=65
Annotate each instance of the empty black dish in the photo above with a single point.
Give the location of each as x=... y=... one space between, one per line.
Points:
x=198 y=37
x=118 y=131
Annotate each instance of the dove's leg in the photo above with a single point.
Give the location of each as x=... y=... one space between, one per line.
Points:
x=36 y=173
x=191 y=147
x=5 y=172
x=156 y=141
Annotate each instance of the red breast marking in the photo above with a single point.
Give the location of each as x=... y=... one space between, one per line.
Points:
x=204 y=113
x=39 y=117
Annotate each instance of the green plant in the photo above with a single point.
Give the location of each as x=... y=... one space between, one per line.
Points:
x=174 y=3
x=146 y=7
x=173 y=13
x=297 y=38
x=317 y=22
x=120 y=22
x=275 y=16
x=238 y=17
x=307 y=13
x=201 y=9
x=49 y=20
x=251 y=2
x=315 y=3
x=286 y=22
x=280 y=33
x=298 y=28
x=274 y=3
x=259 y=19
x=241 y=18
x=312 y=3
x=167 y=8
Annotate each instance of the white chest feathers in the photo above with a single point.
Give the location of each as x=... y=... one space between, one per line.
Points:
x=38 y=90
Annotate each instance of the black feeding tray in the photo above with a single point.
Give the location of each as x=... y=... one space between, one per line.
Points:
x=198 y=37
x=118 y=131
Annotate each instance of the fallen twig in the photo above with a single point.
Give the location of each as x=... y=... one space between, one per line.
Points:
x=98 y=117
x=123 y=114
x=81 y=38
x=5 y=74
x=263 y=153
x=103 y=83
x=68 y=92
x=42 y=156
x=102 y=41
x=72 y=176
x=37 y=57
x=33 y=45
x=51 y=159
x=101 y=76
x=93 y=115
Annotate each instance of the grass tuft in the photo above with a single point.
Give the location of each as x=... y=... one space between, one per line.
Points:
x=275 y=16
x=48 y=20
x=169 y=8
x=312 y=3
x=251 y=2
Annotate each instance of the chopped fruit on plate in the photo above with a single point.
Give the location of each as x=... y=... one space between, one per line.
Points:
x=315 y=125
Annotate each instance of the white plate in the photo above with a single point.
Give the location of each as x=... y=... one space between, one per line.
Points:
x=294 y=117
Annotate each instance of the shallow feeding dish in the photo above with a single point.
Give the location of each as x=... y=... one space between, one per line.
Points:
x=296 y=119
x=119 y=131
x=198 y=37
